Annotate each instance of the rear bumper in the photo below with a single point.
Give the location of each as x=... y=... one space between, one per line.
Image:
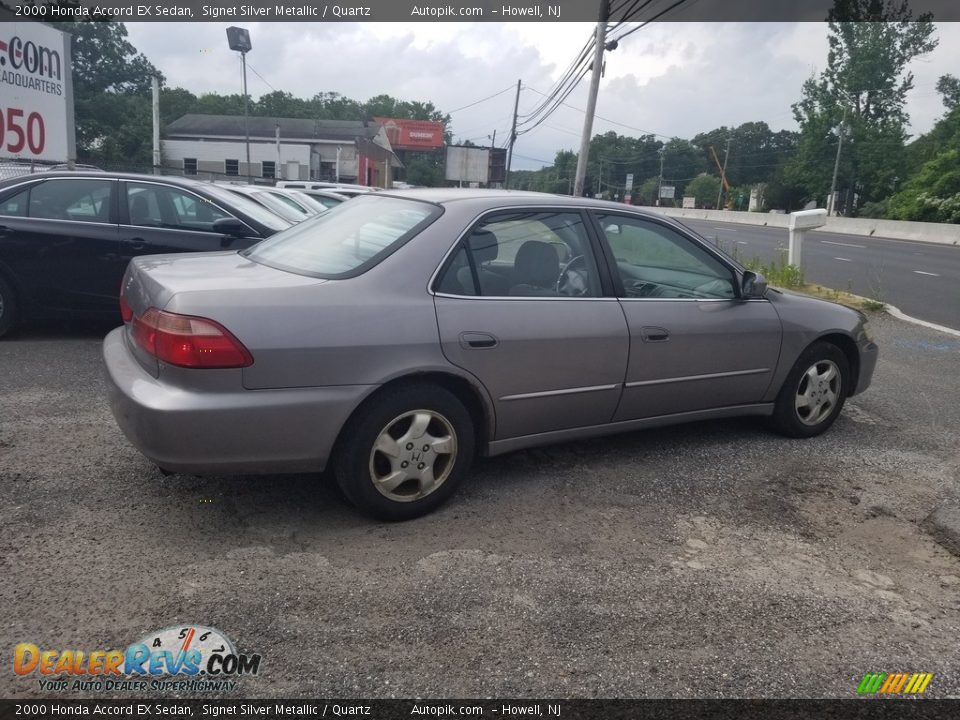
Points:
x=217 y=432
x=869 y=352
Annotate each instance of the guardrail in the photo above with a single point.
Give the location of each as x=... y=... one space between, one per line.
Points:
x=895 y=229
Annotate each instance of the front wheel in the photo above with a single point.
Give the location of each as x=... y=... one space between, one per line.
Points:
x=405 y=452
x=813 y=393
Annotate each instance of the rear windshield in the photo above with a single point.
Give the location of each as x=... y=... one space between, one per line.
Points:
x=249 y=207
x=346 y=240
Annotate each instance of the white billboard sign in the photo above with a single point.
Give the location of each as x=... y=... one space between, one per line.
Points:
x=467 y=164
x=36 y=93
x=667 y=191
x=689 y=202
x=629 y=183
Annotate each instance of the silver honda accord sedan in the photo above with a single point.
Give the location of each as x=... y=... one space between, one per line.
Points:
x=395 y=336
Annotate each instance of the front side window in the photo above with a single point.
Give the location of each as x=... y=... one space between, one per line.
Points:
x=80 y=199
x=346 y=240
x=160 y=206
x=524 y=254
x=655 y=261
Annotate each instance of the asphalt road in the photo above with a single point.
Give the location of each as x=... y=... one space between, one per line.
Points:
x=709 y=560
x=922 y=279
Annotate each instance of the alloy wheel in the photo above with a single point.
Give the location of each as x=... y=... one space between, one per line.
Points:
x=818 y=392
x=413 y=455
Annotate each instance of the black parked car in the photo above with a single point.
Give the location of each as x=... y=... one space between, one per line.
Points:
x=66 y=237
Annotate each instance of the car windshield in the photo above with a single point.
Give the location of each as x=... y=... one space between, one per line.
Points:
x=346 y=240
x=248 y=207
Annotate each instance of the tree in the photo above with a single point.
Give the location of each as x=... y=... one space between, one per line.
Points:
x=705 y=189
x=932 y=191
x=756 y=152
x=866 y=81
x=681 y=163
x=111 y=89
x=949 y=87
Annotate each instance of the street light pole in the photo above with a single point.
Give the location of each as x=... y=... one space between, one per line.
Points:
x=239 y=40
x=246 y=114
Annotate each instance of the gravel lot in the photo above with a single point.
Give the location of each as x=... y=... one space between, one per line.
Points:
x=708 y=560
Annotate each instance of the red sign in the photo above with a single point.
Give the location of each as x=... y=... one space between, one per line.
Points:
x=412 y=134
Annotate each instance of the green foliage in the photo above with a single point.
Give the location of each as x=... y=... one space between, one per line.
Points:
x=756 y=152
x=863 y=89
x=422 y=171
x=873 y=210
x=613 y=157
x=111 y=94
x=949 y=88
x=556 y=178
x=933 y=194
x=705 y=189
x=781 y=273
x=646 y=194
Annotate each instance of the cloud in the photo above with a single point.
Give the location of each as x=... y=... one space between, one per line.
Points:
x=669 y=78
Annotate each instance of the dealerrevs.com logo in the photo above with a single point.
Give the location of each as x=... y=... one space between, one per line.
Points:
x=191 y=658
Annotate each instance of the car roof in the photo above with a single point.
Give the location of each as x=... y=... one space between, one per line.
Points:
x=501 y=198
x=102 y=174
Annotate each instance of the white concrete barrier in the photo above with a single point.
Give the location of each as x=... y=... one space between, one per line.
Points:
x=895 y=229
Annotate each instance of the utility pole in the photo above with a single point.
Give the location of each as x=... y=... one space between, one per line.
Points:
x=836 y=163
x=723 y=174
x=599 y=40
x=513 y=137
x=599 y=175
x=278 y=168
x=493 y=145
x=660 y=181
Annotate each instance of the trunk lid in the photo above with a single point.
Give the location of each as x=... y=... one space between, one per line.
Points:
x=216 y=285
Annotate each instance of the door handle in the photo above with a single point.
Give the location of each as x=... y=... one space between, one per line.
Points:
x=477 y=341
x=136 y=243
x=654 y=334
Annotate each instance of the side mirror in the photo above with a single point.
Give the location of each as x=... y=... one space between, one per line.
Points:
x=230 y=226
x=753 y=285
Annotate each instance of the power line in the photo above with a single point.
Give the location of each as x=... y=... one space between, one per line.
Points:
x=477 y=102
x=571 y=70
x=600 y=117
x=647 y=22
x=261 y=77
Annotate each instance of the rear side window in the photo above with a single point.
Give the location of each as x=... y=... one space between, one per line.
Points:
x=346 y=240
x=80 y=199
x=16 y=205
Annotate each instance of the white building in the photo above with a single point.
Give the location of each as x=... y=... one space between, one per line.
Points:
x=214 y=147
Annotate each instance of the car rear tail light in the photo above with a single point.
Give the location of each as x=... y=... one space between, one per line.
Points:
x=125 y=310
x=188 y=341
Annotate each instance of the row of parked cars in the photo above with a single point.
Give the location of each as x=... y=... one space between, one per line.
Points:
x=66 y=236
x=395 y=336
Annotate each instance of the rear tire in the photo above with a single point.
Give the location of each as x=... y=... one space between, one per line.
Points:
x=9 y=311
x=405 y=452
x=813 y=393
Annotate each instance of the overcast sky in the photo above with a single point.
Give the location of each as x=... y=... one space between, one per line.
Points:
x=673 y=79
